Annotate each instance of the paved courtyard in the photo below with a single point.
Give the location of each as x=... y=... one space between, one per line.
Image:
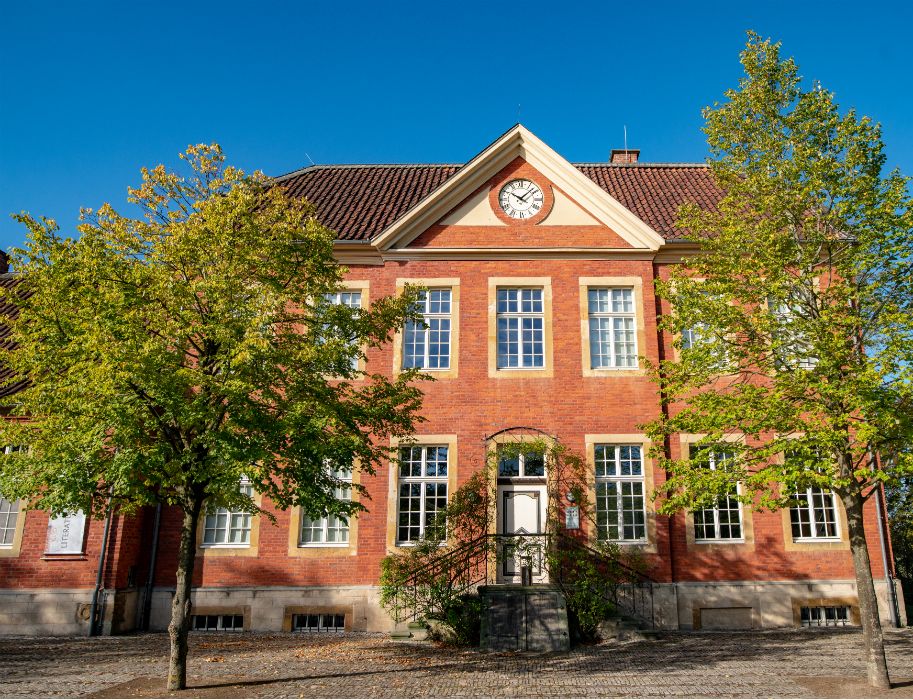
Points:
x=802 y=663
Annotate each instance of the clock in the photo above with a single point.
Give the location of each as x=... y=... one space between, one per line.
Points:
x=521 y=199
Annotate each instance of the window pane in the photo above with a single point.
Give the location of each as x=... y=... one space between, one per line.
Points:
x=533 y=464
x=509 y=466
x=422 y=489
x=9 y=514
x=620 y=502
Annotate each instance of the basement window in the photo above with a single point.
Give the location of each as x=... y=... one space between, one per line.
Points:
x=218 y=623
x=825 y=616
x=324 y=622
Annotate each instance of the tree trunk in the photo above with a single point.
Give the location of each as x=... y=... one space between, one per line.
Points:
x=180 y=605
x=873 y=640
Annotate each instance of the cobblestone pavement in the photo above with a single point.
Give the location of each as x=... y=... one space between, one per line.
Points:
x=801 y=663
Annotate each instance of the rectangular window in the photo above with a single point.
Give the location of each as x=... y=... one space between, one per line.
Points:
x=793 y=349
x=613 y=328
x=353 y=301
x=9 y=514
x=724 y=521
x=228 y=528
x=322 y=622
x=9 y=510
x=620 y=503
x=814 y=516
x=329 y=530
x=426 y=344
x=690 y=338
x=218 y=623
x=522 y=465
x=422 y=489
x=825 y=616
x=521 y=329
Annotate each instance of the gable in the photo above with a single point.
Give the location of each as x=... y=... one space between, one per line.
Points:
x=459 y=201
x=480 y=221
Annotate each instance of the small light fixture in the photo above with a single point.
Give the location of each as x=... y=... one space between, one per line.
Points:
x=570 y=497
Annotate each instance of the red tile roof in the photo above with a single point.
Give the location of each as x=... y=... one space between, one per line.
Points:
x=9 y=383
x=360 y=201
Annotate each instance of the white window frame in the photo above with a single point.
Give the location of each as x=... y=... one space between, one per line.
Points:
x=526 y=362
x=611 y=315
x=421 y=479
x=712 y=463
x=809 y=509
x=521 y=467
x=796 y=345
x=10 y=512
x=244 y=486
x=9 y=520
x=430 y=317
x=619 y=479
x=345 y=297
x=342 y=493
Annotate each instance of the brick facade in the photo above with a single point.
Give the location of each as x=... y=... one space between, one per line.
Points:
x=566 y=400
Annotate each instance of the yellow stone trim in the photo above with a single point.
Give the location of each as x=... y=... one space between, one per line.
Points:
x=453 y=283
x=850 y=602
x=544 y=283
x=637 y=285
x=450 y=440
x=364 y=287
x=306 y=551
x=252 y=549
x=747 y=542
x=591 y=440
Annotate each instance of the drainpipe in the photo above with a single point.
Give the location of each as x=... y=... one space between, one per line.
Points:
x=147 y=594
x=882 y=537
x=93 y=611
x=881 y=507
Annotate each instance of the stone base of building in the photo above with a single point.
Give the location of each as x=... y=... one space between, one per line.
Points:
x=273 y=609
x=684 y=605
x=759 y=604
x=65 y=612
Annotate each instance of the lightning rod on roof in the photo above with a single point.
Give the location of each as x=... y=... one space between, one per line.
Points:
x=625 y=127
x=310 y=159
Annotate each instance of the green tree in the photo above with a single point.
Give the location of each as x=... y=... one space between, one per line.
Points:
x=169 y=356
x=900 y=512
x=795 y=321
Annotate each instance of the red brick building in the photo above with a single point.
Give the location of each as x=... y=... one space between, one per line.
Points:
x=540 y=303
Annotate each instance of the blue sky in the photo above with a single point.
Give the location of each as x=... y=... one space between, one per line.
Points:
x=90 y=92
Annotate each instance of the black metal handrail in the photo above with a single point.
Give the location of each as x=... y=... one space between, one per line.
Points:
x=629 y=591
x=464 y=568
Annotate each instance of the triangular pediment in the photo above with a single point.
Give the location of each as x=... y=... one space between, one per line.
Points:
x=465 y=199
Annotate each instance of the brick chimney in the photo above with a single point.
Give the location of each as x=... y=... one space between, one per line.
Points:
x=623 y=155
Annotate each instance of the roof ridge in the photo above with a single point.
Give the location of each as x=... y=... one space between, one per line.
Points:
x=588 y=164
x=347 y=166
x=641 y=165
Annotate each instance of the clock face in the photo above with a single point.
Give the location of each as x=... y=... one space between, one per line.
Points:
x=520 y=199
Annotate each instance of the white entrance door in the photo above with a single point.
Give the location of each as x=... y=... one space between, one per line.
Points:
x=521 y=522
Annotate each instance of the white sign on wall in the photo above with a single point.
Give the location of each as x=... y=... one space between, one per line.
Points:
x=66 y=533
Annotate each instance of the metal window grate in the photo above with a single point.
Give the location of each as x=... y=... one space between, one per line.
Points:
x=322 y=622
x=825 y=616
x=218 y=623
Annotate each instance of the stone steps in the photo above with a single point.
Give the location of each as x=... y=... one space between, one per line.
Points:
x=413 y=632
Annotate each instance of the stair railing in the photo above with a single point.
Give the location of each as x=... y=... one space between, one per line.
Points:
x=628 y=590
